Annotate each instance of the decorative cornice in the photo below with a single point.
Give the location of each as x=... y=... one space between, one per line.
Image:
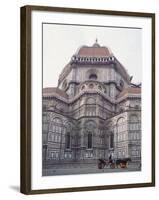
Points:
x=105 y=96
x=92 y=59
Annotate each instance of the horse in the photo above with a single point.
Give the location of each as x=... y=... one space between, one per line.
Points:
x=122 y=162
x=102 y=163
x=113 y=163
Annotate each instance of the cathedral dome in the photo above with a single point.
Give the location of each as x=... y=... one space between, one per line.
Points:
x=94 y=51
x=95 y=55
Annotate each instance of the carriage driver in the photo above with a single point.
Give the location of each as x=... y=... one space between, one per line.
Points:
x=111 y=160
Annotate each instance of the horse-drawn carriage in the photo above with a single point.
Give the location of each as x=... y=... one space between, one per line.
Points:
x=122 y=163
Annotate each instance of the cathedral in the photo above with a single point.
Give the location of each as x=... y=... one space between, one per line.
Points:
x=94 y=112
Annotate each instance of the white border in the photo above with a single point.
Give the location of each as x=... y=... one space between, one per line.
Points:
x=39 y=182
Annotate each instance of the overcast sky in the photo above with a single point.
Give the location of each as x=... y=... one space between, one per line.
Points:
x=60 y=42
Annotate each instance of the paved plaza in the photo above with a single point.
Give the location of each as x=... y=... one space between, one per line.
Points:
x=69 y=170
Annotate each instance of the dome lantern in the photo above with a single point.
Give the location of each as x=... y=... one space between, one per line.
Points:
x=96 y=43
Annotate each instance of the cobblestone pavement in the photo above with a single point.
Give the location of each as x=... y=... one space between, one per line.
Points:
x=87 y=170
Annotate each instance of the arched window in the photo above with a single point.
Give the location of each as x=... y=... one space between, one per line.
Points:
x=57 y=125
x=99 y=87
x=133 y=123
x=120 y=123
x=91 y=86
x=120 y=129
x=93 y=76
x=68 y=141
x=83 y=87
x=55 y=130
x=121 y=83
x=89 y=140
